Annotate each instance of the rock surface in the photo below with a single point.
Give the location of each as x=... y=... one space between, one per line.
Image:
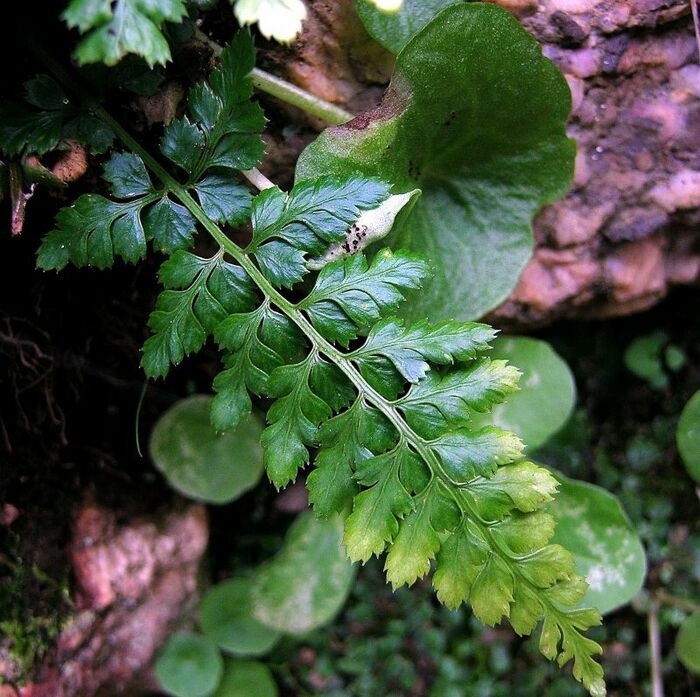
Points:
x=133 y=582
x=627 y=230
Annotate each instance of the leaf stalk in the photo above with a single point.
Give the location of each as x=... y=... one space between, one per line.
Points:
x=288 y=92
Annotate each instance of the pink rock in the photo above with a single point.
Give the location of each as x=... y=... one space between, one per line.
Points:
x=576 y=223
x=581 y=63
x=133 y=583
x=637 y=270
x=682 y=190
x=663 y=112
x=8 y=515
x=555 y=277
x=669 y=51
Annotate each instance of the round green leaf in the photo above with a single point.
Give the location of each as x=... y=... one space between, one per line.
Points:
x=688 y=643
x=475 y=116
x=200 y=463
x=306 y=584
x=594 y=527
x=547 y=391
x=189 y=665
x=688 y=436
x=393 y=29
x=643 y=358
x=226 y=616
x=246 y=679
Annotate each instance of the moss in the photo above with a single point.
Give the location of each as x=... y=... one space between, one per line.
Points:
x=32 y=609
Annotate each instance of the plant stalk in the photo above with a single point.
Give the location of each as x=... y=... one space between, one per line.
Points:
x=291 y=94
x=657 y=685
x=257 y=179
x=661 y=596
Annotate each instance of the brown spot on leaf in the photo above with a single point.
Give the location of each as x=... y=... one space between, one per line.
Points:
x=395 y=102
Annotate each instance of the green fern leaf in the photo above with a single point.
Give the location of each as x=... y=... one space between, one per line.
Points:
x=523 y=487
x=95 y=229
x=461 y=556
x=313 y=216
x=350 y=297
x=200 y=294
x=49 y=117
x=390 y=419
x=384 y=499
x=418 y=539
x=344 y=442
x=224 y=133
x=294 y=418
x=523 y=533
x=256 y=344
x=410 y=348
x=437 y=403
x=224 y=200
x=466 y=454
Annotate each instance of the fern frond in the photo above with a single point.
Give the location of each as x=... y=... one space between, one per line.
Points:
x=381 y=411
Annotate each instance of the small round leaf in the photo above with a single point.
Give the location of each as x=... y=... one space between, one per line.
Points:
x=200 y=463
x=394 y=29
x=594 y=527
x=688 y=436
x=246 y=679
x=226 y=616
x=688 y=643
x=547 y=391
x=306 y=583
x=189 y=665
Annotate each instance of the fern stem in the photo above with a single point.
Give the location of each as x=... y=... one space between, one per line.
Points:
x=288 y=92
x=657 y=684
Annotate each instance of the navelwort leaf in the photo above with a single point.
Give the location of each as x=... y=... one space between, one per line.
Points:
x=197 y=461
x=307 y=582
x=189 y=665
x=594 y=527
x=383 y=409
x=688 y=436
x=547 y=391
x=475 y=116
x=226 y=617
x=688 y=643
x=393 y=26
x=245 y=678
